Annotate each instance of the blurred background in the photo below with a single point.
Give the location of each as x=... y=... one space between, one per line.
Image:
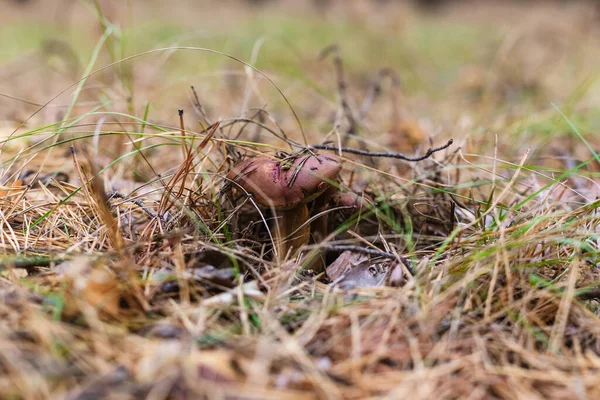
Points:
x=466 y=69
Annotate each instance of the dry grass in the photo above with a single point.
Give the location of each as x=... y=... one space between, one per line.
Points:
x=131 y=271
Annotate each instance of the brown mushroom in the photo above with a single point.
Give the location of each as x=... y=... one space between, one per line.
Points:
x=350 y=202
x=286 y=186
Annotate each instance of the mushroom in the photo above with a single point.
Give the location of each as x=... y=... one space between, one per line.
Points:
x=287 y=186
x=349 y=201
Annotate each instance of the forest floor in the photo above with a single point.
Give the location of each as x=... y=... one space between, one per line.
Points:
x=136 y=263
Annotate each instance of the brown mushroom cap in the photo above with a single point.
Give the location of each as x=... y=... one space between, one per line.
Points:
x=287 y=183
x=352 y=200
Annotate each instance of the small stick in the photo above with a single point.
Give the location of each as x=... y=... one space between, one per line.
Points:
x=400 y=156
x=593 y=294
x=257 y=130
x=231 y=150
x=342 y=86
x=364 y=250
x=198 y=107
x=138 y=202
x=291 y=143
x=184 y=148
x=27 y=262
x=358 y=249
x=374 y=90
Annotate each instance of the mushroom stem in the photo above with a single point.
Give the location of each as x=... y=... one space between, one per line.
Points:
x=320 y=224
x=292 y=231
x=318 y=229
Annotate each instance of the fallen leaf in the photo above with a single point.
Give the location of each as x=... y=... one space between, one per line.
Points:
x=343 y=263
x=351 y=270
x=223 y=277
x=364 y=275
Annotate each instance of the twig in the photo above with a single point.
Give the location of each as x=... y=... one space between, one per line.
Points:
x=257 y=130
x=95 y=187
x=138 y=202
x=400 y=156
x=358 y=249
x=593 y=294
x=231 y=150
x=261 y=113
x=27 y=262
x=364 y=250
x=342 y=86
x=199 y=108
x=374 y=90
x=182 y=173
x=228 y=122
x=184 y=148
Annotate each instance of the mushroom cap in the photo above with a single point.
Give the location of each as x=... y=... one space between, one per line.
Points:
x=285 y=184
x=352 y=200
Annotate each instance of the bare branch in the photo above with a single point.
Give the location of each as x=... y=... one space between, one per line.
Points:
x=400 y=156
